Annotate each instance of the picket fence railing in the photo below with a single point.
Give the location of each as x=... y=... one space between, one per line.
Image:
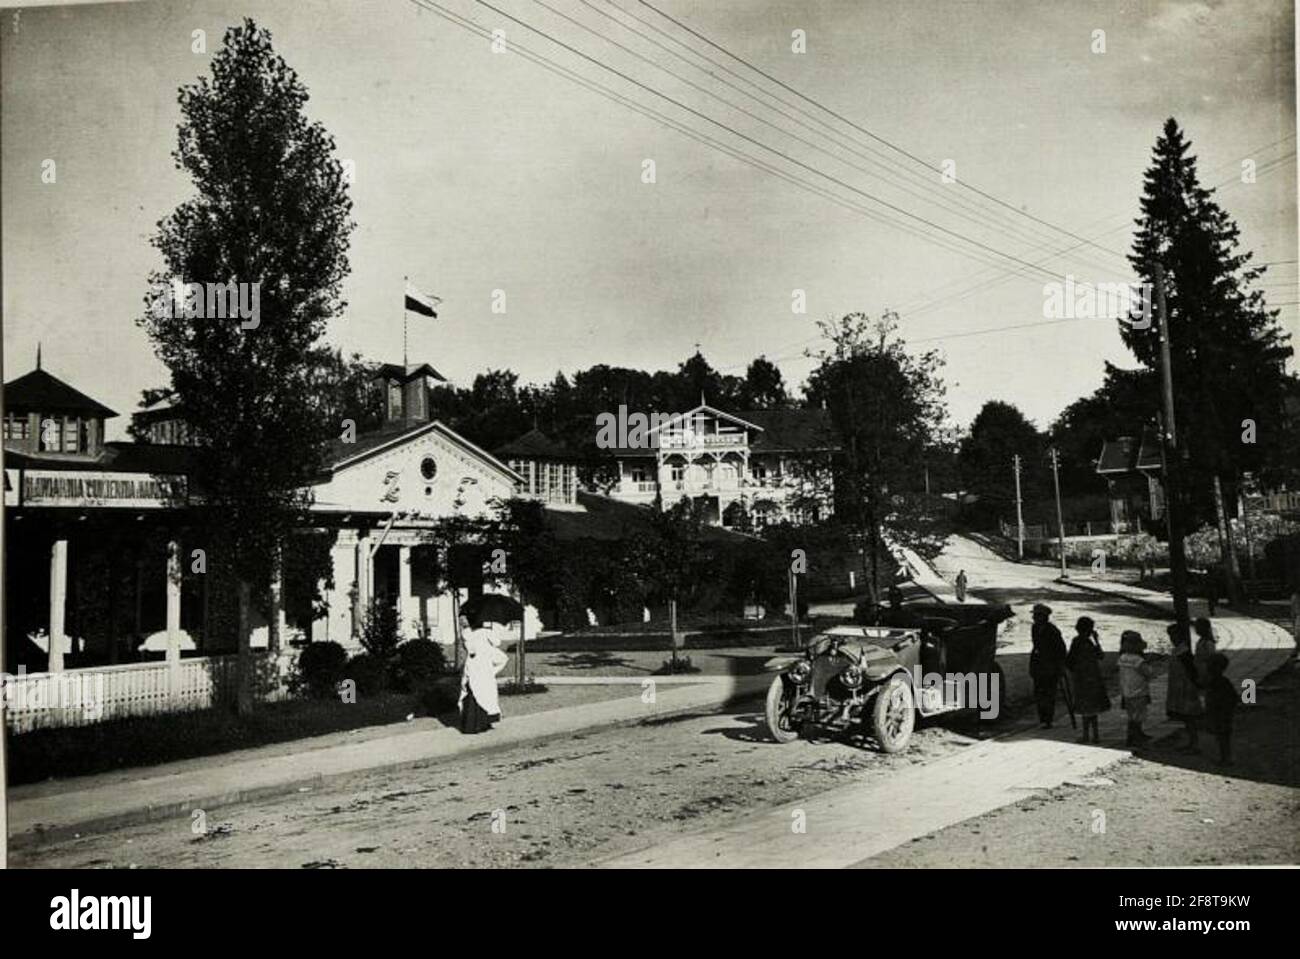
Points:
x=84 y=697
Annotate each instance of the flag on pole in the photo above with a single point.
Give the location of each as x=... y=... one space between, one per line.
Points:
x=422 y=303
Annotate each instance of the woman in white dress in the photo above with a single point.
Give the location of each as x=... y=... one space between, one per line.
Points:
x=484 y=658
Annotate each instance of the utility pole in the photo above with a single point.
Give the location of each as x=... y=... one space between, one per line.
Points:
x=1060 y=522
x=1020 y=516
x=1169 y=435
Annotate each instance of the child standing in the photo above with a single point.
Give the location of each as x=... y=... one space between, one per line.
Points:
x=1084 y=663
x=1135 y=675
x=1183 y=699
x=1220 y=703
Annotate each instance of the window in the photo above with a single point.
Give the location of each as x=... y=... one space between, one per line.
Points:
x=638 y=474
x=50 y=435
x=71 y=434
x=679 y=472
x=428 y=467
x=16 y=427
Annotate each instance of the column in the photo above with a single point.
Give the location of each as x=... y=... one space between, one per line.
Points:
x=343 y=558
x=406 y=608
x=174 y=620
x=58 y=603
x=365 y=580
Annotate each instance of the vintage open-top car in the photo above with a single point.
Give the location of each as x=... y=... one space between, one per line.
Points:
x=865 y=677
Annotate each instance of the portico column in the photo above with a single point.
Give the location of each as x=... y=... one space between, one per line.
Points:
x=343 y=557
x=405 y=606
x=58 y=602
x=365 y=581
x=174 y=619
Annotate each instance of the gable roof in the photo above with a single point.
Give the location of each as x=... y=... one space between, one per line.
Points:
x=703 y=408
x=341 y=455
x=533 y=445
x=395 y=371
x=39 y=392
x=1125 y=454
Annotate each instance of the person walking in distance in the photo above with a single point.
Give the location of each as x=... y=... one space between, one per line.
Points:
x=1046 y=662
x=961 y=586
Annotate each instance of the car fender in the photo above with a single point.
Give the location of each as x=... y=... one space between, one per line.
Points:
x=879 y=664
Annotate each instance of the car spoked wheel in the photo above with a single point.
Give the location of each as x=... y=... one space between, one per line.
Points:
x=777 y=712
x=893 y=715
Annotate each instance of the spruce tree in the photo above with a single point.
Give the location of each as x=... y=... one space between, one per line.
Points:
x=1228 y=351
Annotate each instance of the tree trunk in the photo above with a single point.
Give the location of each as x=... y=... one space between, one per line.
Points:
x=1228 y=551
x=672 y=629
x=519 y=650
x=244 y=658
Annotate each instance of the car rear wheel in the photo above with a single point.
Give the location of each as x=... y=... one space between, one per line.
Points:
x=893 y=715
x=777 y=712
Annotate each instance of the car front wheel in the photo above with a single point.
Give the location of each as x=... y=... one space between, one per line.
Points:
x=777 y=712
x=893 y=715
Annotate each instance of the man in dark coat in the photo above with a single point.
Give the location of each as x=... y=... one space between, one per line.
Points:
x=1046 y=663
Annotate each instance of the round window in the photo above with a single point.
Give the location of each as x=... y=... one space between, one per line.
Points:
x=428 y=467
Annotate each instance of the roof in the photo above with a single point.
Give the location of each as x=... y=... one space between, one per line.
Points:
x=778 y=431
x=39 y=392
x=154 y=458
x=533 y=445
x=793 y=430
x=342 y=454
x=703 y=408
x=395 y=371
x=1126 y=454
x=607 y=519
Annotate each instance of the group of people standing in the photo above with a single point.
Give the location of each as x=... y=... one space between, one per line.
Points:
x=1198 y=694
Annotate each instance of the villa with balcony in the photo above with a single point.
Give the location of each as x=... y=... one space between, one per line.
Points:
x=759 y=467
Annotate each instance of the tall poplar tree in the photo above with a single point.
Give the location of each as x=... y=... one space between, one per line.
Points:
x=270 y=209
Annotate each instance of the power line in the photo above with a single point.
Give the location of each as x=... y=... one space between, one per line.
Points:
x=977 y=219
x=758 y=143
x=1036 y=234
x=877 y=138
x=662 y=119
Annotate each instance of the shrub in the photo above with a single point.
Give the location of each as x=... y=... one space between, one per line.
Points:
x=319 y=669
x=379 y=631
x=419 y=661
x=370 y=675
x=439 y=695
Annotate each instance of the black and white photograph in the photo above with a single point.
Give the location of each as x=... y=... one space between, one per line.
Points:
x=652 y=434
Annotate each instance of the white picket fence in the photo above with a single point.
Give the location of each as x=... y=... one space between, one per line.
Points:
x=83 y=697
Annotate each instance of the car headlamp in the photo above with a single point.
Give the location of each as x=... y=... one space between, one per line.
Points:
x=852 y=677
x=801 y=671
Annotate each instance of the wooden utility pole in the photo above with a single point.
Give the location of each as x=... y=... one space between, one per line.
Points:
x=1020 y=516
x=1169 y=437
x=1060 y=521
x=794 y=610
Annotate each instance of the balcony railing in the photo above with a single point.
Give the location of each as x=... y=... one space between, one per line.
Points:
x=676 y=441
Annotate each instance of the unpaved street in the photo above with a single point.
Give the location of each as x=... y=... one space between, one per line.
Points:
x=561 y=803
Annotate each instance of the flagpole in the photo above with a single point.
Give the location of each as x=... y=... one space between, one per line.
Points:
x=405 y=365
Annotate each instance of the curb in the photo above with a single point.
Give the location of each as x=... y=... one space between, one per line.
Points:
x=37 y=836
x=1152 y=605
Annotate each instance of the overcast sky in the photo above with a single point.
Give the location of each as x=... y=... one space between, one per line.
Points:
x=479 y=171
